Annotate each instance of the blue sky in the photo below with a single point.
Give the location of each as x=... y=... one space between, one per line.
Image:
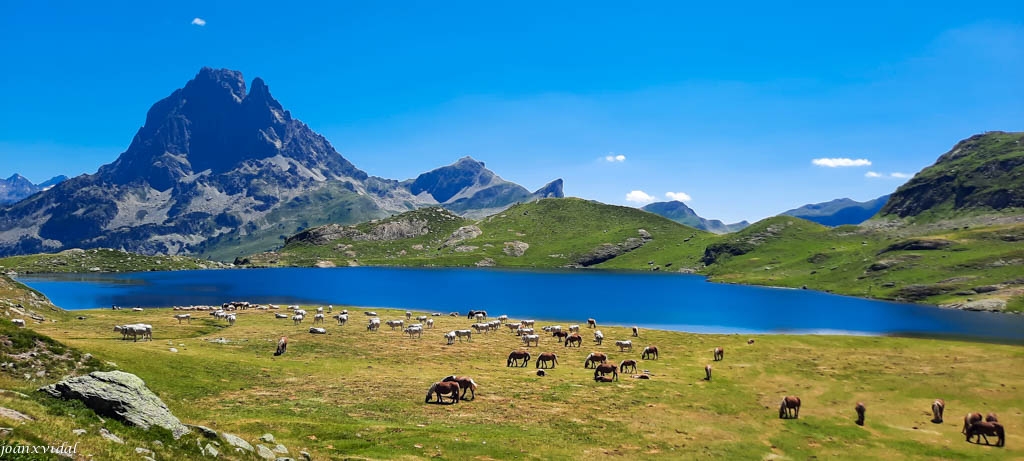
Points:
x=726 y=104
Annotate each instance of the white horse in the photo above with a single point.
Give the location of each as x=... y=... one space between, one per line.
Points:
x=342 y=318
x=374 y=324
x=574 y=328
x=535 y=339
x=181 y=317
x=430 y=323
x=421 y=318
x=481 y=327
x=524 y=331
x=231 y=319
x=502 y=318
x=319 y=310
x=318 y=318
x=408 y=315
x=414 y=331
x=297 y=318
x=598 y=337
x=479 y=317
x=468 y=334
x=394 y=324
x=527 y=323
x=450 y=336
x=623 y=345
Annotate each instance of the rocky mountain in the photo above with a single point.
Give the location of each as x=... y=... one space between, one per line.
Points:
x=983 y=173
x=680 y=213
x=17 y=187
x=222 y=170
x=839 y=212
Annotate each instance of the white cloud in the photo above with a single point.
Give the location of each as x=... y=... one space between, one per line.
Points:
x=198 y=22
x=900 y=175
x=872 y=174
x=639 y=196
x=613 y=158
x=841 y=162
x=680 y=196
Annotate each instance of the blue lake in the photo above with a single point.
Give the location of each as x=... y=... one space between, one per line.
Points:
x=664 y=301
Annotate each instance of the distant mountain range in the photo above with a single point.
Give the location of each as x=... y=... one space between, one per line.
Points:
x=17 y=187
x=222 y=170
x=682 y=214
x=839 y=212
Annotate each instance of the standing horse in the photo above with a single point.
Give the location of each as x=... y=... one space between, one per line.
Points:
x=707 y=372
x=282 y=346
x=443 y=388
x=546 y=358
x=628 y=363
x=465 y=382
x=938 y=406
x=860 y=413
x=598 y=337
x=650 y=352
x=595 y=358
x=527 y=339
x=985 y=429
x=515 y=356
x=591 y=323
x=561 y=335
x=790 y=407
x=719 y=354
x=574 y=339
x=606 y=368
x=623 y=345
x=636 y=332
x=970 y=418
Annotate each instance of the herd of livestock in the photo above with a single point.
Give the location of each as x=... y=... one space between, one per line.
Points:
x=456 y=387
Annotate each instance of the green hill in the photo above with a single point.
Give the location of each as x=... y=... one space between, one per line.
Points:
x=99 y=260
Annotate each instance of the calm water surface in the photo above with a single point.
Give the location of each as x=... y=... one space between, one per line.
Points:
x=664 y=301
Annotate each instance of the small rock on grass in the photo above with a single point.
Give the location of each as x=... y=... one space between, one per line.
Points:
x=268 y=437
x=109 y=436
x=265 y=452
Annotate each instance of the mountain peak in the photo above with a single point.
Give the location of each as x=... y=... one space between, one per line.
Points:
x=218 y=80
x=552 y=189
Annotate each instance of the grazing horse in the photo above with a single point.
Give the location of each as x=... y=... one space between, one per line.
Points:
x=719 y=354
x=443 y=388
x=985 y=429
x=606 y=368
x=468 y=334
x=623 y=345
x=938 y=406
x=395 y=324
x=473 y=314
x=408 y=315
x=374 y=324
x=595 y=358
x=515 y=356
x=574 y=339
x=591 y=323
x=546 y=358
x=598 y=337
x=465 y=382
x=297 y=319
x=992 y=418
x=574 y=328
x=282 y=346
x=450 y=336
x=790 y=407
x=561 y=335
x=628 y=363
x=527 y=323
x=636 y=332
x=650 y=352
x=535 y=339
x=513 y=327
x=342 y=318
x=181 y=317
x=970 y=418
x=860 y=413
x=430 y=323
x=707 y=372
x=318 y=318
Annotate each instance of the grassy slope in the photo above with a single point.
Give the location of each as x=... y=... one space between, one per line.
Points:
x=359 y=394
x=105 y=260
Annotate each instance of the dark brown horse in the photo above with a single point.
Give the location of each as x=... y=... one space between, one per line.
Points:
x=985 y=429
x=628 y=363
x=606 y=368
x=860 y=408
x=574 y=339
x=603 y=379
x=707 y=372
x=938 y=406
x=591 y=323
x=719 y=354
x=282 y=346
x=515 y=356
x=636 y=332
x=595 y=358
x=561 y=335
x=546 y=358
x=992 y=418
x=465 y=382
x=443 y=388
x=790 y=407
x=970 y=418
x=650 y=352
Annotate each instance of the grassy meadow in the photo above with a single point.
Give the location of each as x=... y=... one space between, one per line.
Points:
x=359 y=395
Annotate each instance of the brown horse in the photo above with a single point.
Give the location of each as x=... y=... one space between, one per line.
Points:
x=860 y=408
x=985 y=429
x=719 y=354
x=465 y=382
x=282 y=346
x=707 y=372
x=628 y=363
x=970 y=418
x=636 y=332
x=603 y=379
x=547 y=357
x=574 y=339
x=790 y=407
x=443 y=388
x=561 y=335
x=650 y=352
x=606 y=368
x=595 y=358
x=591 y=323
x=938 y=406
x=515 y=356
x=992 y=418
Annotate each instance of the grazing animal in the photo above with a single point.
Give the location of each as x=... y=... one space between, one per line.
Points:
x=598 y=337
x=231 y=319
x=342 y=318
x=541 y=373
x=527 y=323
x=790 y=407
x=628 y=363
x=938 y=406
x=421 y=318
x=472 y=314
x=394 y=324
x=443 y=388
x=992 y=418
x=750 y=341
x=465 y=382
x=515 y=356
x=344 y=311
x=574 y=338
x=278 y=315
x=282 y=346
x=535 y=339
x=513 y=327
x=318 y=331
x=450 y=337
x=574 y=328
x=430 y=323
x=318 y=318
x=408 y=315
x=636 y=332
x=373 y=325
x=524 y=331
x=603 y=379
x=561 y=335
x=623 y=345
x=502 y=318
x=320 y=310
x=297 y=318
x=707 y=372
x=591 y=323
x=860 y=413
x=416 y=331
x=481 y=327
x=985 y=429
x=546 y=358
x=650 y=352
x=595 y=358
x=181 y=317
x=468 y=334
x=719 y=353
x=970 y=418
x=606 y=368
x=479 y=317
